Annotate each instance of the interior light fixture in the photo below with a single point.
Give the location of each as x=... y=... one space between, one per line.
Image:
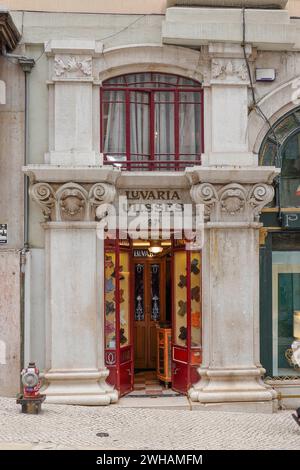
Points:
x=140 y=243
x=155 y=248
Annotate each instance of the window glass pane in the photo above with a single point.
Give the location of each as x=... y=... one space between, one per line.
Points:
x=138 y=79
x=187 y=82
x=164 y=96
x=286 y=300
x=291 y=157
x=189 y=97
x=139 y=125
x=164 y=127
x=267 y=156
x=189 y=129
x=297 y=114
x=285 y=127
x=165 y=79
x=151 y=79
x=114 y=125
x=290 y=192
x=115 y=81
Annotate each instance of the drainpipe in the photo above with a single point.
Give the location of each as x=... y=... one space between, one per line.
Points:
x=27 y=65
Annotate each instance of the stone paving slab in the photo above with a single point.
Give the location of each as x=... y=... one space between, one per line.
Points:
x=74 y=427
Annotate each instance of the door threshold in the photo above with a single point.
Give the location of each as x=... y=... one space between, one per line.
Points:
x=180 y=402
x=153 y=395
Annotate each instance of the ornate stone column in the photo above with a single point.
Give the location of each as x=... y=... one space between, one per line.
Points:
x=231 y=373
x=75 y=370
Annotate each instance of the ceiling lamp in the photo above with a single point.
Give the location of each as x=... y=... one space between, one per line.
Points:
x=155 y=248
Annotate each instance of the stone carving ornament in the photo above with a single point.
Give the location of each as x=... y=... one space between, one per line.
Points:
x=232 y=202
x=44 y=196
x=71 y=201
x=226 y=70
x=73 y=65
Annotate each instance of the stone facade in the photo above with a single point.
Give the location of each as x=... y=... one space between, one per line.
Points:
x=68 y=182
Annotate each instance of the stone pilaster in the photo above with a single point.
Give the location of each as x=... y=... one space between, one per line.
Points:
x=71 y=131
x=231 y=372
x=75 y=370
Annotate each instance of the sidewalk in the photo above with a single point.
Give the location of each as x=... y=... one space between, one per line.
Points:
x=74 y=427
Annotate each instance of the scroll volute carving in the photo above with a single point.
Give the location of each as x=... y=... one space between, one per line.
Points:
x=71 y=201
x=232 y=202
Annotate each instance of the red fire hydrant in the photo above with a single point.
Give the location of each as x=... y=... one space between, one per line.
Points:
x=31 y=399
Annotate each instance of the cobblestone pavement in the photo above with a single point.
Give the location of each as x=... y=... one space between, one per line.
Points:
x=74 y=427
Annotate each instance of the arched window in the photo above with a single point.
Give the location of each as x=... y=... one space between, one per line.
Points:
x=151 y=121
x=281 y=148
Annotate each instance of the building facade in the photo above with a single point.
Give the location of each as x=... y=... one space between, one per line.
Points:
x=185 y=103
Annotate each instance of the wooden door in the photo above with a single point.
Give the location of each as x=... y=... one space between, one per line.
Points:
x=149 y=309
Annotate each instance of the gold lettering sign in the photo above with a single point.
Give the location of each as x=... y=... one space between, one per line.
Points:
x=152 y=195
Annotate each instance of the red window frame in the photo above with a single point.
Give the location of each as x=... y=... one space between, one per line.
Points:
x=178 y=163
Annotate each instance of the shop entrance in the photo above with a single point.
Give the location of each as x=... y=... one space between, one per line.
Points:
x=153 y=316
x=150 y=287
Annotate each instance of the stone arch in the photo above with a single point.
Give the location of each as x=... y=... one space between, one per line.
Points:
x=274 y=105
x=146 y=57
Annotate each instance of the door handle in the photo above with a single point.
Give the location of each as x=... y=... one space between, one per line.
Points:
x=175 y=370
x=129 y=371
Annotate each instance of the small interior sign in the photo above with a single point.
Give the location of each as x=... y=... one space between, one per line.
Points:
x=3 y=234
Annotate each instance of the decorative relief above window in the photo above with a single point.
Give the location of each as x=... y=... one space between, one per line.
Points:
x=73 y=66
x=229 y=69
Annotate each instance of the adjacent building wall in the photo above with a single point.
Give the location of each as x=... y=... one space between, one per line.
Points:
x=11 y=213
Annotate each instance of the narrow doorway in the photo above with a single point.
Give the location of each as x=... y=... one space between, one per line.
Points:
x=153 y=315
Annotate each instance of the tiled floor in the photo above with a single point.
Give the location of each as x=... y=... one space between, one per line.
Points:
x=147 y=384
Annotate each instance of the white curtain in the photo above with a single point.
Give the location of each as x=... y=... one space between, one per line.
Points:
x=164 y=130
x=189 y=125
x=140 y=126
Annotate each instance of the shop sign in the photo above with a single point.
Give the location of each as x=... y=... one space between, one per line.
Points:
x=3 y=234
x=152 y=195
x=141 y=253
x=291 y=220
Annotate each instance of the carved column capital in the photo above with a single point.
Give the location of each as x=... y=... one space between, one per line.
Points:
x=232 y=202
x=71 y=201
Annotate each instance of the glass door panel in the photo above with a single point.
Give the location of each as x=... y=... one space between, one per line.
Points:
x=286 y=300
x=140 y=315
x=118 y=337
x=187 y=318
x=155 y=291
